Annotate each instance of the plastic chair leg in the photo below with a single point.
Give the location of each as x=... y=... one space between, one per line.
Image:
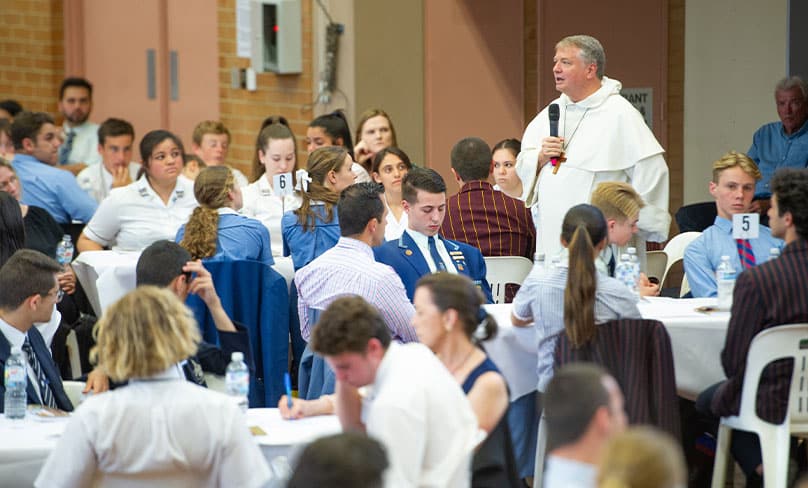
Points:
x=722 y=444
x=774 y=445
x=541 y=446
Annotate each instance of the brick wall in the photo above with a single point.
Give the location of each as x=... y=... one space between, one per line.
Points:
x=31 y=47
x=243 y=111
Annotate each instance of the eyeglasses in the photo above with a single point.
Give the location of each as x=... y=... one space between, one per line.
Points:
x=59 y=293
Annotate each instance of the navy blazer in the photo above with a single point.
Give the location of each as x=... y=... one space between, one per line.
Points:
x=48 y=367
x=405 y=257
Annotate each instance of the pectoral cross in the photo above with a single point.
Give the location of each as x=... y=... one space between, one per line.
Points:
x=557 y=164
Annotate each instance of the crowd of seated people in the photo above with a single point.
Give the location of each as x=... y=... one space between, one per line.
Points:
x=361 y=219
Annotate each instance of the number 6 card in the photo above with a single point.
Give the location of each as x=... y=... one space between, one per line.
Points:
x=745 y=226
x=282 y=184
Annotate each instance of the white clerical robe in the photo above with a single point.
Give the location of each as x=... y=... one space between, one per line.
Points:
x=606 y=139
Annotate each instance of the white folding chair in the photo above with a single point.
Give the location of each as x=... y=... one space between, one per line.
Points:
x=73 y=354
x=684 y=288
x=541 y=448
x=675 y=250
x=781 y=342
x=73 y=390
x=501 y=270
x=655 y=264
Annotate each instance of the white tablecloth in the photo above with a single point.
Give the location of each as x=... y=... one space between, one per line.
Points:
x=26 y=443
x=697 y=339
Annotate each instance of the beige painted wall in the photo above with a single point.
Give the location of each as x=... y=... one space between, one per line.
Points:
x=473 y=75
x=735 y=52
x=388 y=37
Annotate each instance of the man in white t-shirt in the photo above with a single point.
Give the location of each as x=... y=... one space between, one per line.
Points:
x=414 y=406
x=583 y=408
x=115 y=140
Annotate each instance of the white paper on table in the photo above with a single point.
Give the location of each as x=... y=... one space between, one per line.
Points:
x=289 y=432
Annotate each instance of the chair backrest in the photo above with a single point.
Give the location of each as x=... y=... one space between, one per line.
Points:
x=256 y=296
x=780 y=342
x=503 y=270
x=73 y=390
x=637 y=352
x=675 y=249
x=684 y=288
x=655 y=264
x=696 y=216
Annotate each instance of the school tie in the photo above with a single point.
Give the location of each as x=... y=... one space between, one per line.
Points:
x=745 y=253
x=66 y=148
x=44 y=387
x=612 y=264
x=433 y=251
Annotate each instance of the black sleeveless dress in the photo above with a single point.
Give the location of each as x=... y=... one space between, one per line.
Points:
x=494 y=464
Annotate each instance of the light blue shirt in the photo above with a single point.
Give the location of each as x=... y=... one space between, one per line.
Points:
x=772 y=149
x=305 y=245
x=239 y=238
x=53 y=189
x=541 y=299
x=703 y=255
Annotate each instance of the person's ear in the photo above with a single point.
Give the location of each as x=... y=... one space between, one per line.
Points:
x=405 y=205
x=450 y=319
x=454 y=173
x=28 y=144
x=713 y=187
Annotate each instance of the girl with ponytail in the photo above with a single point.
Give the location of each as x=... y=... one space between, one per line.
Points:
x=573 y=298
x=215 y=229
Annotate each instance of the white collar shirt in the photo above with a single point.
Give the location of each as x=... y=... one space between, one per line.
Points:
x=422 y=242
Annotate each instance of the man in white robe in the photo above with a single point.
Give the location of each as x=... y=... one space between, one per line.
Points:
x=602 y=138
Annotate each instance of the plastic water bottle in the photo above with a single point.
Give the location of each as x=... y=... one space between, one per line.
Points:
x=64 y=251
x=774 y=253
x=624 y=271
x=16 y=381
x=725 y=281
x=237 y=380
x=635 y=262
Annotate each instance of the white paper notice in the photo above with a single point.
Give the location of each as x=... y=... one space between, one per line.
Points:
x=243 y=30
x=745 y=226
x=282 y=184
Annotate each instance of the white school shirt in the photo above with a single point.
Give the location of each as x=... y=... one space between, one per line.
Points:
x=162 y=431
x=422 y=242
x=97 y=181
x=394 y=228
x=133 y=217
x=261 y=203
x=85 y=144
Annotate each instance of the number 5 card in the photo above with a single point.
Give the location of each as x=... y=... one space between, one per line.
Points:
x=745 y=226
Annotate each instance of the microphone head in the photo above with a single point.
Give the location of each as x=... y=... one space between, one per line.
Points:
x=553 y=112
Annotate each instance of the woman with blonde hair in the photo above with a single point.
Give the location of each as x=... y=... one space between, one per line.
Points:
x=642 y=457
x=374 y=132
x=314 y=227
x=215 y=229
x=159 y=429
x=275 y=153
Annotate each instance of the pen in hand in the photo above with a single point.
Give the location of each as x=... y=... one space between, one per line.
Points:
x=287 y=382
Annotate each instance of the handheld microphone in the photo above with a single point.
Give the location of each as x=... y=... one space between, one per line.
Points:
x=553 y=113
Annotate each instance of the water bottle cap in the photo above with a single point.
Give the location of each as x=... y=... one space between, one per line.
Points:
x=67 y=237
x=632 y=250
x=724 y=258
x=624 y=256
x=237 y=356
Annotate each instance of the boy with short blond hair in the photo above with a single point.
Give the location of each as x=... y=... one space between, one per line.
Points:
x=210 y=141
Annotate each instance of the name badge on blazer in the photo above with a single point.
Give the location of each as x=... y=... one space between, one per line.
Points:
x=459 y=260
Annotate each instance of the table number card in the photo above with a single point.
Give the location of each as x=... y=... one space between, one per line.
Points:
x=745 y=226
x=282 y=184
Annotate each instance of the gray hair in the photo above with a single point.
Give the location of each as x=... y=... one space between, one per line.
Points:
x=591 y=50
x=791 y=82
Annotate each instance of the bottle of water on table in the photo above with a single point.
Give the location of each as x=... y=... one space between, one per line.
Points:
x=65 y=251
x=237 y=380
x=625 y=272
x=725 y=281
x=16 y=381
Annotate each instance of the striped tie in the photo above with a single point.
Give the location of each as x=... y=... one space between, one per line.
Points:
x=433 y=251
x=66 y=148
x=745 y=253
x=44 y=388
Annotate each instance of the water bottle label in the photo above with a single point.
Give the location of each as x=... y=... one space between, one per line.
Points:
x=14 y=374
x=238 y=383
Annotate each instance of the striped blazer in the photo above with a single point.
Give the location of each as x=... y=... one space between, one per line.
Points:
x=637 y=353
x=774 y=293
x=490 y=220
